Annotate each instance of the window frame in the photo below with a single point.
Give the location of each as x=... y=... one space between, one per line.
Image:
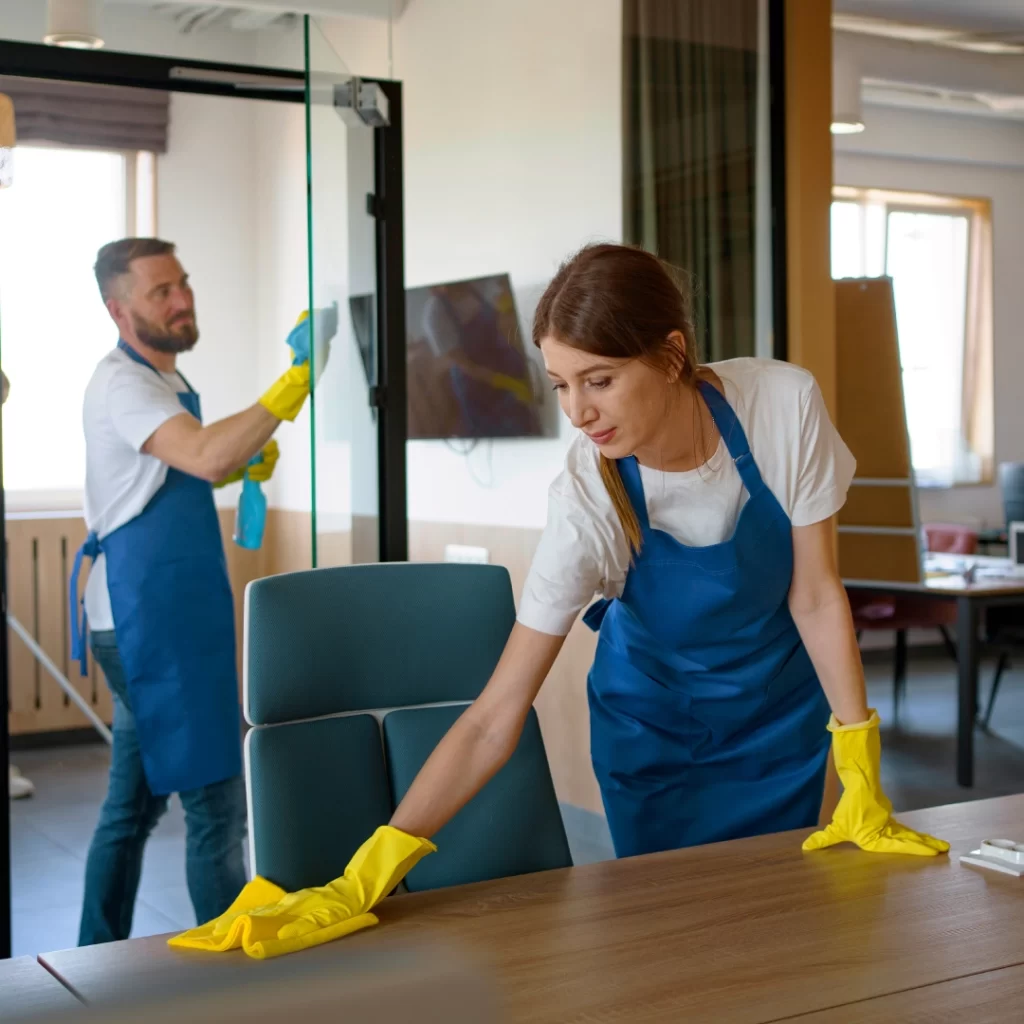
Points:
x=978 y=213
x=141 y=206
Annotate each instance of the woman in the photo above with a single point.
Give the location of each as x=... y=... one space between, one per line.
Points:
x=699 y=501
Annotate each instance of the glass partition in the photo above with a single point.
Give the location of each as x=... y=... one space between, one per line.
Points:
x=342 y=294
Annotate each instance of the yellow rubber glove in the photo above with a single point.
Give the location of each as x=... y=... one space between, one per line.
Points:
x=286 y=396
x=261 y=472
x=289 y=392
x=312 y=917
x=864 y=813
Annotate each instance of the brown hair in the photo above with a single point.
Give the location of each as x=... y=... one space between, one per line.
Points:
x=620 y=302
x=116 y=258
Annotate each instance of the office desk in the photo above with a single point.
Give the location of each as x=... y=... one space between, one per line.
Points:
x=737 y=933
x=995 y=996
x=992 y=538
x=27 y=989
x=971 y=600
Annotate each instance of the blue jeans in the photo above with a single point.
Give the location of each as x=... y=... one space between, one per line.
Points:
x=215 y=820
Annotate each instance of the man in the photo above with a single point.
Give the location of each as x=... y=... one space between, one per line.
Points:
x=18 y=787
x=158 y=599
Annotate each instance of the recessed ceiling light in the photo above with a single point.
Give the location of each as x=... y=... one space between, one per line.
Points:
x=73 y=24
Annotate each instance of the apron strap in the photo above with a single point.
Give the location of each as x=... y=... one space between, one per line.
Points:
x=80 y=631
x=139 y=358
x=735 y=438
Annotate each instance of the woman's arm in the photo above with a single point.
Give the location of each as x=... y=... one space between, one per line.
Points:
x=821 y=611
x=483 y=738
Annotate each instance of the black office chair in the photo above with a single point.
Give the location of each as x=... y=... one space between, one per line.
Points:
x=1004 y=635
x=1004 y=627
x=1011 y=483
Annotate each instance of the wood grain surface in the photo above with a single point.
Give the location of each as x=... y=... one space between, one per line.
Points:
x=748 y=931
x=27 y=990
x=994 y=997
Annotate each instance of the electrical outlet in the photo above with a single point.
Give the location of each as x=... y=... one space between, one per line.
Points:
x=466 y=553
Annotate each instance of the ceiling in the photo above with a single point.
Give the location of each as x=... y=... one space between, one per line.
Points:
x=196 y=17
x=966 y=15
x=256 y=14
x=960 y=56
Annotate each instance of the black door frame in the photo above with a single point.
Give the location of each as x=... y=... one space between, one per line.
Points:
x=777 y=145
x=141 y=71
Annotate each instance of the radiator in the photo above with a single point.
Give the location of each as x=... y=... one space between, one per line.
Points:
x=40 y=554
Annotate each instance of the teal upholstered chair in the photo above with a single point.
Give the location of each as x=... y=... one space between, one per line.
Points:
x=352 y=675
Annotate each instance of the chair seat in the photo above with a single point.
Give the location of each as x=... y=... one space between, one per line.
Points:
x=951 y=538
x=897 y=612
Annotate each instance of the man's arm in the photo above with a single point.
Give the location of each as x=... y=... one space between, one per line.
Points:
x=212 y=452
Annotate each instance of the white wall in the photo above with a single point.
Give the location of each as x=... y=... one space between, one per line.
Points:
x=232 y=194
x=512 y=161
x=205 y=201
x=969 y=156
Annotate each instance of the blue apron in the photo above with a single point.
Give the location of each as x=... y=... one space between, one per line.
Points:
x=174 y=620
x=707 y=718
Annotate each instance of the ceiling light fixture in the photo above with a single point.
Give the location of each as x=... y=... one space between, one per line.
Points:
x=73 y=23
x=847 y=118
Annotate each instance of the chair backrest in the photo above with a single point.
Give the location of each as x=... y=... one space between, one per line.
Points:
x=351 y=677
x=514 y=825
x=950 y=538
x=1011 y=483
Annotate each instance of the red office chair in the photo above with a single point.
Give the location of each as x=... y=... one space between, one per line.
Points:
x=899 y=613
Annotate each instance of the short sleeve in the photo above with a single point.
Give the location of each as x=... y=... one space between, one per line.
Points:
x=826 y=464
x=568 y=566
x=139 y=404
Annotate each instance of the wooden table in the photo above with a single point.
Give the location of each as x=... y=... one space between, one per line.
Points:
x=995 y=996
x=972 y=598
x=746 y=932
x=27 y=989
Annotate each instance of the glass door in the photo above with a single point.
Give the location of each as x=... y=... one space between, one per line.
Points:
x=342 y=256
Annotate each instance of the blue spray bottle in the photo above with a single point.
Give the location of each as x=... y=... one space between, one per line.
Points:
x=251 y=517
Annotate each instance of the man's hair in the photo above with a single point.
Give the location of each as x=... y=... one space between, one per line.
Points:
x=115 y=259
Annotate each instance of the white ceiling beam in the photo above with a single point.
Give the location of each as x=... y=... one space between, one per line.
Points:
x=379 y=9
x=893 y=60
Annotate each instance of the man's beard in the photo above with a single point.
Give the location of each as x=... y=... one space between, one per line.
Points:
x=171 y=340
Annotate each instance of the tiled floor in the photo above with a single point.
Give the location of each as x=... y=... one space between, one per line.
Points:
x=50 y=834
x=51 y=831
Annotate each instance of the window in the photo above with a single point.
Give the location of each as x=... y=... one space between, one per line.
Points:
x=937 y=251
x=63 y=205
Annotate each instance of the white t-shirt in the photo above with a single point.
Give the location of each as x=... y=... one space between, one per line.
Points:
x=125 y=403
x=803 y=460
